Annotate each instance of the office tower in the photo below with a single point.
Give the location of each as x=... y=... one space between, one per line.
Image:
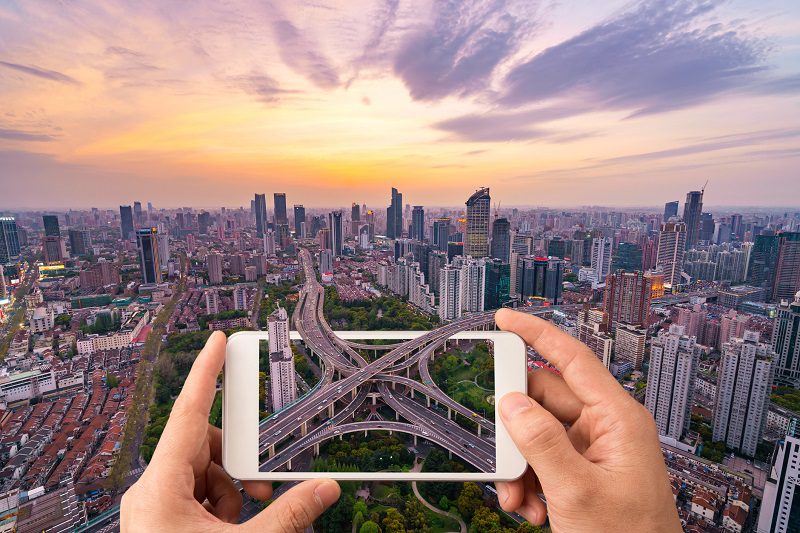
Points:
x=441 y=233
x=355 y=212
x=476 y=239
x=501 y=239
x=269 y=243
x=80 y=242
x=203 y=222
x=394 y=216
x=299 y=220
x=437 y=260
x=737 y=227
x=692 y=210
x=629 y=344
x=522 y=244
x=473 y=284
x=454 y=249
x=786 y=343
x=780 y=507
x=325 y=262
x=9 y=240
x=137 y=213
x=627 y=298
x=722 y=232
x=163 y=248
x=670 y=383
x=126 y=222
x=363 y=237
x=54 y=249
x=281 y=361
x=763 y=262
x=51 y=228
x=707 y=226
x=418 y=223
x=628 y=257
x=787 y=269
x=670 y=210
x=370 y=221
x=335 y=226
x=557 y=247
x=450 y=293
x=540 y=278
x=671 y=250
x=498 y=283
x=214 y=266
x=280 y=208
x=212 y=301
x=601 y=258
x=261 y=214
x=149 y=262
x=743 y=388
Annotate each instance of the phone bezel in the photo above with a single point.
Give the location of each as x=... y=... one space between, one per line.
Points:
x=240 y=429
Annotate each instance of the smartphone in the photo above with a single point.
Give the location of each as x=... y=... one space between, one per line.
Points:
x=379 y=405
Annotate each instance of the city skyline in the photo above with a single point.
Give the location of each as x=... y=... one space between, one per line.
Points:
x=432 y=98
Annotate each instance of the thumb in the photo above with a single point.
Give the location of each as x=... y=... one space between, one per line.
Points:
x=542 y=440
x=297 y=509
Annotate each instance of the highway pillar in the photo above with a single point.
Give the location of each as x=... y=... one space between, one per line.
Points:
x=396 y=416
x=428 y=400
x=412 y=393
x=449 y=414
x=316 y=449
x=271 y=451
x=394 y=383
x=365 y=433
x=415 y=440
x=289 y=464
x=408 y=371
x=330 y=411
x=450 y=453
x=479 y=430
x=304 y=429
x=374 y=399
x=353 y=394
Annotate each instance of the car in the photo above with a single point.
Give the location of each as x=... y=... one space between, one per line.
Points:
x=337 y=431
x=299 y=418
x=320 y=407
x=425 y=433
x=277 y=433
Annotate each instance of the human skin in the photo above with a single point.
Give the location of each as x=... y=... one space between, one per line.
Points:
x=592 y=450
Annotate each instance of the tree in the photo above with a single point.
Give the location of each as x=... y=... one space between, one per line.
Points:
x=370 y=527
x=444 y=503
x=112 y=380
x=527 y=527
x=358 y=520
x=470 y=500
x=394 y=522
x=484 y=521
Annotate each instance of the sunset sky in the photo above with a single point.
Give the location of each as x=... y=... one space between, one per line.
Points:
x=549 y=103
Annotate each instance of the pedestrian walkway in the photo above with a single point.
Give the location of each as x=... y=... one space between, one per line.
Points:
x=461 y=523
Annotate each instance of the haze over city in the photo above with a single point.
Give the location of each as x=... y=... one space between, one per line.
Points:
x=547 y=103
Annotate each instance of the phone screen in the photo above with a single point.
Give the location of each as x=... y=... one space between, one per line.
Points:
x=376 y=405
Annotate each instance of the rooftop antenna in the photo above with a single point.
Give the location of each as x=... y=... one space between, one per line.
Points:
x=703 y=190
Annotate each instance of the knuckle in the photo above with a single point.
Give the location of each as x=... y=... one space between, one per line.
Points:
x=294 y=515
x=545 y=436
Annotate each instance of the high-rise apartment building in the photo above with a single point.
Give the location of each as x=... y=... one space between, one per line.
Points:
x=670 y=383
x=270 y=244
x=126 y=222
x=787 y=269
x=299 y=221
x=671 y=251
x=80 y=242
x=598 y=341
x=692 y=210
x=394 y=216
x=51 y=228
x=214 y=266
x=501 y=239
x=9 y=240
x=418 y=223
x=325 y=262
x=786 y=343
x=670 y=210
x=763 y=262
x=283 y=385
x=473 y=283
x=240 y=298
x=260 y=206
x=441 y=233
x=780 y=507
x=335 y=226
x=281 y=217
x=627 y=298
x=212 y=301
x=137 y=213
x=629 y=344
x=601 y=258
x=743 y=388
x=149 y=262
x=450 y=293
x=476 y=239
x=369 y=219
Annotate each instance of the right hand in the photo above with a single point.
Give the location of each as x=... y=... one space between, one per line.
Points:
x=605 y=472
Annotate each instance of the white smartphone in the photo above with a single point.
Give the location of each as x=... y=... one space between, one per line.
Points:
x=377 y=405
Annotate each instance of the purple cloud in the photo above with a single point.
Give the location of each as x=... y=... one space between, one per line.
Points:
x=41 y=73
x=19 y=135
x=301 y=56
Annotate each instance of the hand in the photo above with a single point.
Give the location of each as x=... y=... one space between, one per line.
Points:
x=185 y=489
x=606 y=471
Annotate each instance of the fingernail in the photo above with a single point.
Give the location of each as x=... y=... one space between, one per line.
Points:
x=502 y=492
x=513 y=404
x=327 y=492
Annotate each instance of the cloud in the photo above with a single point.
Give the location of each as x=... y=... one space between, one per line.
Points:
x=266 y=88
x=299 y=54
x=457 y=53
x=41 y=73
x=502 y=126
x=18 y=135
x=653 y=57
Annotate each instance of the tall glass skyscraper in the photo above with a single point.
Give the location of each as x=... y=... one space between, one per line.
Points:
x=51 y=228
x=418 y=223
x=280 y=209
x=335 y=226
x=126 y=221
x=299 y=220
x=476 y=240
x=261 y=214
x=441 y=233
x=501 y=239
x=692 y=211
x=146 y=240
x=9 y=240
x=394 y=216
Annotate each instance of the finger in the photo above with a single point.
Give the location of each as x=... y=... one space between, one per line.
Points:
x=582 y=370
x=542 y=440
x=511 y=493
x=187 y=426
x=260 y=490
x=532 y=508
x=296 y=509
x=553 y=393
x=222 y=494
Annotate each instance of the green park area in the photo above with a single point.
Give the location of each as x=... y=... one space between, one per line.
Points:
x=383 y=313
x=467 y=376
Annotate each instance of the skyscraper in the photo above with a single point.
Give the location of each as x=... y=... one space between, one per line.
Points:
x=270 y=247
x=670 y=382
x=80 y=241
x=473 y=284
x=355 y=212
x=212 y=301
x=281 y=361
x=299 y=221
x=786 y=343
x=146 y=240
x=9 y=240
x=54 y=249
x=498 y=282
x=51 y=228
x=780 y=507
x=394 y=216
x=280 y=208
x=628 y=257
x=369 y=219
x=418 y=223
x=476 y=238
x=743 y=389
x=137 y=213
x=763 y=262
x=501 y=239
x=707 y=225
x=126 y=222
x=540 y=278
x=787 y=269
x=601 y=258
x=450 y=293
x=692 y=210
x=627 y=298
x=671 y=250
x=261 y=214
x=337 y=239
x=214 y=265
x=670 y=210
x=629 y=344
x=441 y=233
